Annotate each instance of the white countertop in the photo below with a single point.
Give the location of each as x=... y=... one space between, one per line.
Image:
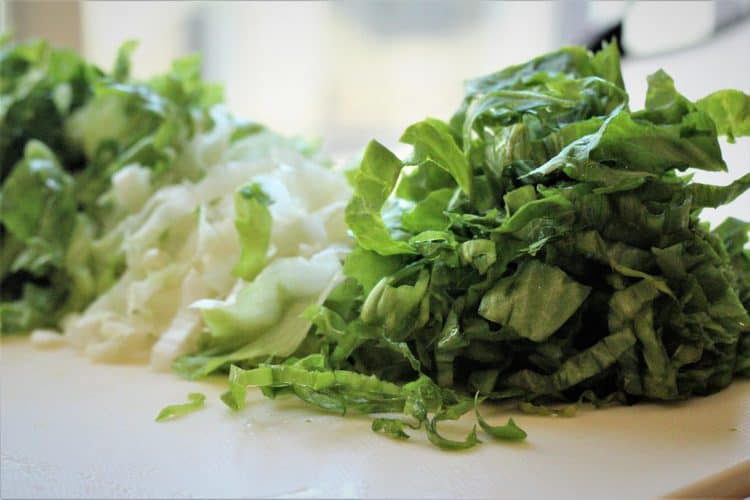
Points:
x=71 y=428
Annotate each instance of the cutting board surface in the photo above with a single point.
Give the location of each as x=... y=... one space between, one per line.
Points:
x=71 y=428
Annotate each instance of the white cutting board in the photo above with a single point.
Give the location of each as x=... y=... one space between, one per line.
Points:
x=70 y=428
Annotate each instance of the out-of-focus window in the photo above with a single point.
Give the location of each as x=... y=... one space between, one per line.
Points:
x=347 y=70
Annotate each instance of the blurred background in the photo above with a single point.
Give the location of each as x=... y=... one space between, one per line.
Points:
x=352 y=70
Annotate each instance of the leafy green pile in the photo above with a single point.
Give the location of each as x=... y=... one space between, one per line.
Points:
x=135 y=215
x=67 y=128
x=543 y=247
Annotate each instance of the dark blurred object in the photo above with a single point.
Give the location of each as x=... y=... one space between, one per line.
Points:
x=606 y=36
x=646 y=29
x=730 y=12
x=58 y=21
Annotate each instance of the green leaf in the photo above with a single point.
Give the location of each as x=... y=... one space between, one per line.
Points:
x=577 y=368
x=266 y=319
x=508 y=432
x=641 y=145
x=568 y=60
x=481 y=254
x=37 y=206
x=373 y=183
x=418 y=181
x=391 y=427
x=664 y=105
x=440 y=441
x=566 y=411
x=196 y=402
x=706 y=195
x=394 y=307
x=253 y=223
x=121 y=71
x=730 y=111
x=554 y=207
x=519 y=303
x=368 y=268
x=432 y=141
x=37 y=307
x=429 y=213
x=606 y=63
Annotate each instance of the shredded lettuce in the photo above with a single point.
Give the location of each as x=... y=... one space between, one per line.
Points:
x=75 y=140
x=247 y=225
x=125 y=202
x=266 y=317
x=195 y=403
x=541 y=248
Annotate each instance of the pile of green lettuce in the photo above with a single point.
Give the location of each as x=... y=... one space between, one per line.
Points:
x=543 y=246
x=141 y=218
x=67 y=128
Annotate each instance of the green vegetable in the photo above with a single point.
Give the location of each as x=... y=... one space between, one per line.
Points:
x=38 y=208
x=311 y=379
x=267 y=319
x=541 y=247
x=191 y=248
x=433 y=142
x=515 y=301
x=730 y=110
x=197 y=401
x=67 y=129
x=373 y=182
x=508 y=432
x=253 y=223
x=532 y=409
x=391 y=427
